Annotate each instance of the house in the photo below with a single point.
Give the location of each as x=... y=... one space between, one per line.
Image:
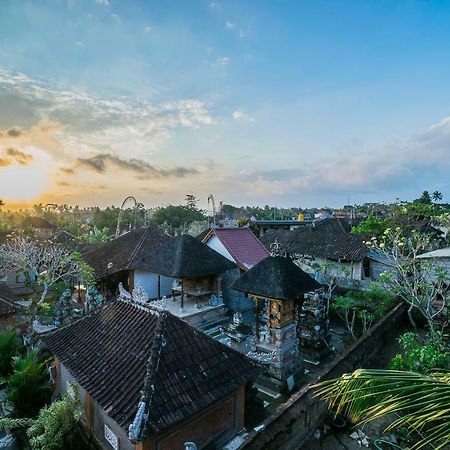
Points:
x=265 y=225
x=119 y=261
x=7 y=306
x=197 y=270
x=41 y=228
x=437 y=259
x=149 y=381
x=242 y=247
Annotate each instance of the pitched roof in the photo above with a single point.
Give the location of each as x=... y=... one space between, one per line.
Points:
x=36 y=222
x=124 y=355
x=276 y=277
x=441 y=253
x=186 y=257
x=7 y=299
x=324 y=244
x=62 y=237
x=245 y=248
x=125 y=252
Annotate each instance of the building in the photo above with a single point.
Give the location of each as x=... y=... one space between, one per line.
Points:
x=197 y=272
x=242 y=247
x=263 y=226
x=344 y=253
x=41 y=228
x=437 y=259
x=149 y=381
x=120 y=261
x=277 y=285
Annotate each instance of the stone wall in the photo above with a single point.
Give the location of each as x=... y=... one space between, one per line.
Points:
x=294 y=421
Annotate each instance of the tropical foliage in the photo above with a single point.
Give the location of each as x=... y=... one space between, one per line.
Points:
x=418 y=403
x=9 y=346
x=54 y=428
x=28 y=388
x=360 y=310
x=421 y=355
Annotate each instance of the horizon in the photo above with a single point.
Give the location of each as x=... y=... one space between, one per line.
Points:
x=294 y=104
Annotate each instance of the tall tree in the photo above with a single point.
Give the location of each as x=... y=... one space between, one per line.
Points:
x=437 y=196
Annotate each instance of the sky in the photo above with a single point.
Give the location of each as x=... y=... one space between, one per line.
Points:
x=287 y=103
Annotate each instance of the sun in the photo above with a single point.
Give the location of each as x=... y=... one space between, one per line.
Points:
x=26 y=182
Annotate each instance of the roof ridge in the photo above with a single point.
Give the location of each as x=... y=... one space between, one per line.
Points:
x=138 y=247
x=138 y=427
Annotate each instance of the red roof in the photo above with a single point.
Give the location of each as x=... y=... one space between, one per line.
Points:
x=242 y=244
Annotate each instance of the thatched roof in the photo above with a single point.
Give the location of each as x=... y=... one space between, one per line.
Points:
x=276 y=277
x=185 y=257
x=124 y=252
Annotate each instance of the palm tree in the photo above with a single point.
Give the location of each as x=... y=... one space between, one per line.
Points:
x=421 y=402
x=437 y=196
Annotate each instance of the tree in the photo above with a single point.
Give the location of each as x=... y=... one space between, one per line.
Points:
x=9 y=346
x=437 y=196
x=425 y=198
x=95 y=236
x=420 y=284
x=48 y=262
x=175 y=218
x=420 y=401
x=191 y=201
x=44 y=264
x=372 y=226
x=28 y=388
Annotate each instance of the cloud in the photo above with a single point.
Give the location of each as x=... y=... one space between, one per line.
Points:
x=240 y=115
x=230 y=26
x=79 y=44
x=222 y=61
x=14 y=132
x=147 y=29
x=99 y=163
x=102 y=2
x=68 y=121
x=12 y=156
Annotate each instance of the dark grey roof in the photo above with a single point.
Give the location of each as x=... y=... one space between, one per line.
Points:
x=186 y=257
x=124 y=354
x=125 y=252
x=316 y=243
x=276 y=277
x=36 y=222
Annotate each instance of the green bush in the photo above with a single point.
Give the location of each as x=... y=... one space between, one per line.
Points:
x=10 y=344
x=420 y=356
x=28 y=387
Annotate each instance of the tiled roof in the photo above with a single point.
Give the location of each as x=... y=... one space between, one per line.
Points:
x=321 y=244
x=242 y=244
x=185 y=257
x=124 y=355
x=125 y=252
x=276 y=277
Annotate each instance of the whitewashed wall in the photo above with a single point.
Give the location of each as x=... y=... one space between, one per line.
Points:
x=150 y=283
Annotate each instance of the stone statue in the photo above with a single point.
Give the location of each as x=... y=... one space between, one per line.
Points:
x=123 y=293
x=139 y=295
x=93 y=299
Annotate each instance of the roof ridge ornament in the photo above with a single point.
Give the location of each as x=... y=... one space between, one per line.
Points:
x=276 y=249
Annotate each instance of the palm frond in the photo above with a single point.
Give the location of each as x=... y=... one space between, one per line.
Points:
x=422 y=402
